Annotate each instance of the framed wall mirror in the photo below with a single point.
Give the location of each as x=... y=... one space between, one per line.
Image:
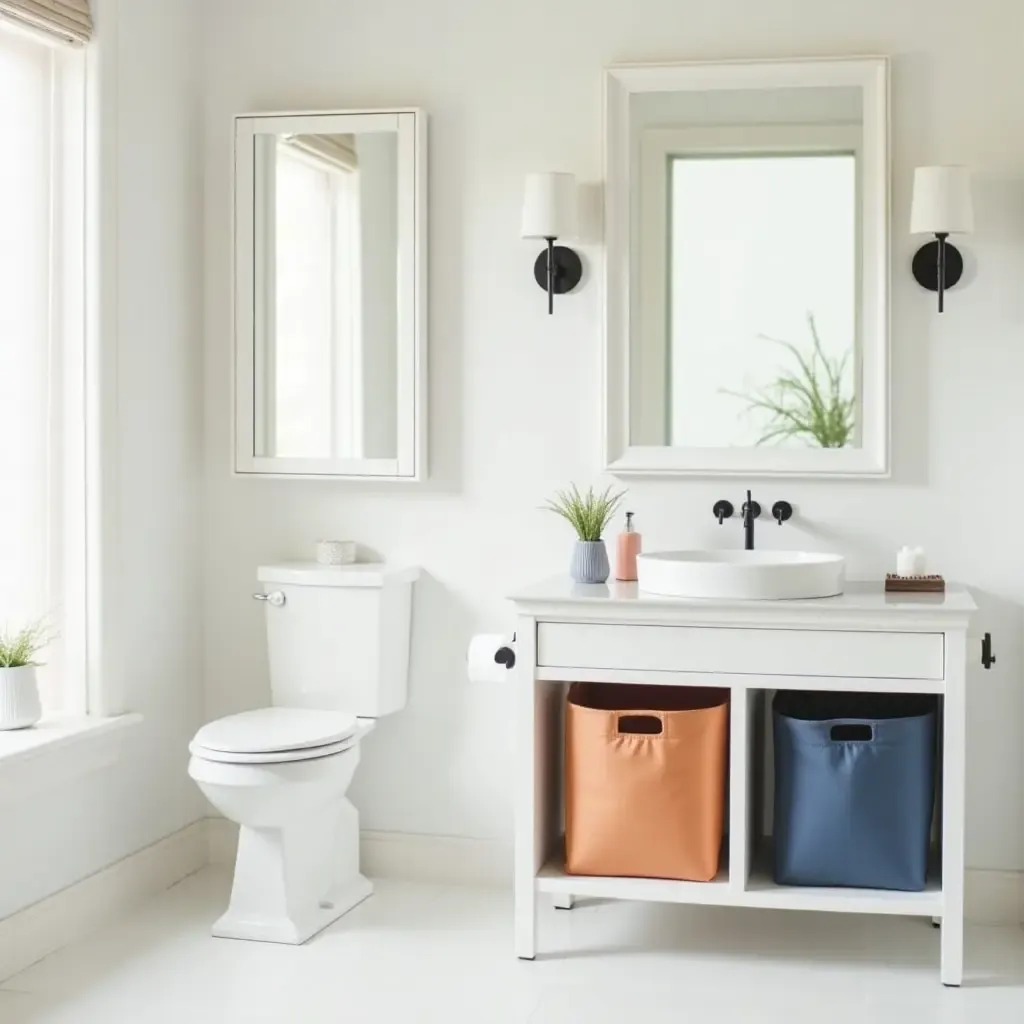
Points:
x=747 y=305
x=330 y=342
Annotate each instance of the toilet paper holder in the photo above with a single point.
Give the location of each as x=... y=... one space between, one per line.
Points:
x=506 y=655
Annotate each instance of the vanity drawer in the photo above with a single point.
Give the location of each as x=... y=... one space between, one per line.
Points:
x=803 y=652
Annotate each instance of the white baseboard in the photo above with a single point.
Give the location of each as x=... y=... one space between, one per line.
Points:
x=221 y=840
x=451 y=860
x=991 y=897
x=30 y=934
x=994 y=897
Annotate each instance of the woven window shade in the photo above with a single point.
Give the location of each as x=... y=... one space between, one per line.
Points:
x=69 y=20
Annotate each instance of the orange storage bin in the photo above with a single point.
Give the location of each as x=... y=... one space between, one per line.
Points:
x=645 y=780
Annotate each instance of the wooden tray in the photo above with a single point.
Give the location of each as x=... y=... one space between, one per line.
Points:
x=914 y=584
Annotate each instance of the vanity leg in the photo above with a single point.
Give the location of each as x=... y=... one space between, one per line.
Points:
x=563 y=901
x=529 y=785
x=954 y=759
x=526 y=922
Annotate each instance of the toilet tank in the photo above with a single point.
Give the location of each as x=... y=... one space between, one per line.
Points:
x=338 y=636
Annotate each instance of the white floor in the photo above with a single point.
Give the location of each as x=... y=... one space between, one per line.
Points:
x=422 y=953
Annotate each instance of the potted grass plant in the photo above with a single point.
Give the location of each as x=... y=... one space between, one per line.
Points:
x=19 y=691
x=589 y=514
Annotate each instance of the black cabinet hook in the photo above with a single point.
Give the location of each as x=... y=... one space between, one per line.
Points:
x=988 y=659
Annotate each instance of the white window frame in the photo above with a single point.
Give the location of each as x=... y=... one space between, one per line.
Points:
x=65 y=365
x=90 y=732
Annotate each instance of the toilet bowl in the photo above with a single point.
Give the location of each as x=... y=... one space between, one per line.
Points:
x=338 y=648
x=281 y=774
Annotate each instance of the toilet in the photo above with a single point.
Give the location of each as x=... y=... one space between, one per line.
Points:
x=338 y=645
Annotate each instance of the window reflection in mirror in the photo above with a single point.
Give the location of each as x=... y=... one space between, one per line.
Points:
x=745 y=255
x=326 y=295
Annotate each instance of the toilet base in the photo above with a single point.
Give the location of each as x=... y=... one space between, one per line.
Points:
x=298 y=928
x=293 y=881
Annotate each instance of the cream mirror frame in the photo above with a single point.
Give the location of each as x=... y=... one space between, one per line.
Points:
x=330 y=295
x=688 y=113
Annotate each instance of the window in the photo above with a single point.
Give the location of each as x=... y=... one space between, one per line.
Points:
x=42 y=415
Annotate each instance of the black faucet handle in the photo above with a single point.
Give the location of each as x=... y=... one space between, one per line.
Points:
x=782 y=510
x=723 y=510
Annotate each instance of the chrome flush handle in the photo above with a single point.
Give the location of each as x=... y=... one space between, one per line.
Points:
x=275 y=597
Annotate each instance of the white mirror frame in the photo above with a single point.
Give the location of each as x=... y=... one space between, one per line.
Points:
x=410 y=463
x=871 y=75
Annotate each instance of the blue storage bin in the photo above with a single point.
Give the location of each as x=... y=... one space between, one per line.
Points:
x=854 y=789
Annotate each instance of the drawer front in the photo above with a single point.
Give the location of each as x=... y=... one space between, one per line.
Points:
x=804 y=652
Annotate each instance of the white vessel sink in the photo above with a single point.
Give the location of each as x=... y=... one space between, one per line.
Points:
x=741 y=575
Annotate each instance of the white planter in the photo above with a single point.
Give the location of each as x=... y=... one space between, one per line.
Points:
x=19 y=697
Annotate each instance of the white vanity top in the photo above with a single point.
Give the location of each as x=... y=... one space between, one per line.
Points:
x=864 y=603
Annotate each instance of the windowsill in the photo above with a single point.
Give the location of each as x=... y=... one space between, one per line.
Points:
x=58 y=750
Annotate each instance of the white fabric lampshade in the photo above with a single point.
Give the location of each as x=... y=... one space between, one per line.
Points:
x=942 y=201
x=549 y=205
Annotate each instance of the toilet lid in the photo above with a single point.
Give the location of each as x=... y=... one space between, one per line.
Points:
x=272 y=730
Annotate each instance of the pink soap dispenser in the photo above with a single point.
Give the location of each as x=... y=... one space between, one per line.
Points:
x=627 y=550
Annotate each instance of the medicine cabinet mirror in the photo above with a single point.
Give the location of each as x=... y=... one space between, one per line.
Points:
x=747 y=276
x=329 y=295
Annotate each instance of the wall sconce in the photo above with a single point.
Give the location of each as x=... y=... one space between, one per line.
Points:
x=941 y=207
x=549 y=212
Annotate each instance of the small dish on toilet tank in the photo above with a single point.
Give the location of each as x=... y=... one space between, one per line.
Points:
x=335 y=552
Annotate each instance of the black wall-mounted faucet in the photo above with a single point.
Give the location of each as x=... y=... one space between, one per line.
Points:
x=751 y=510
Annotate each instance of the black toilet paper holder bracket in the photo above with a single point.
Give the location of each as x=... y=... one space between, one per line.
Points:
x=506 y=655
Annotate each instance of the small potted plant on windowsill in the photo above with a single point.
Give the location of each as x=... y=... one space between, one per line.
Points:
x=19 y=691
x=589 y=514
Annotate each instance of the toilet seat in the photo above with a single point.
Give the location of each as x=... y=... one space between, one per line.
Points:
x=276 y=736
x=272 y=757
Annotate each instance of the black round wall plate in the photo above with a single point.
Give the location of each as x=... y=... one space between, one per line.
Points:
x=926 y=270
x=568 y=269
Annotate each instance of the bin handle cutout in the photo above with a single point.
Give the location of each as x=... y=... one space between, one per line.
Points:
x=852 y=733
x=640 y=725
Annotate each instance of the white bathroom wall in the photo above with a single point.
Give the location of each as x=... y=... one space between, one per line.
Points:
x=515 y=394
x=151 y=574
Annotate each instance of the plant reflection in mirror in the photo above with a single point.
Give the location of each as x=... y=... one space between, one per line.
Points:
x=808 y=403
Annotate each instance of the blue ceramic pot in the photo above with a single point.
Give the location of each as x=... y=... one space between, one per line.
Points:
x=589 y=562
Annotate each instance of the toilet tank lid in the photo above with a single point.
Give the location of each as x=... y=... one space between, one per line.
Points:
x=358 y=574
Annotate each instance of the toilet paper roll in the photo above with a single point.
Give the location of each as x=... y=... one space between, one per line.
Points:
x=480 y=658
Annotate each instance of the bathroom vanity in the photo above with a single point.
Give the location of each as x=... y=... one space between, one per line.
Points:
x=862 y=640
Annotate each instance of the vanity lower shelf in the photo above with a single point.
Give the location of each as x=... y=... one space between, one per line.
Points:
x=553 y=879
x=759 y=891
